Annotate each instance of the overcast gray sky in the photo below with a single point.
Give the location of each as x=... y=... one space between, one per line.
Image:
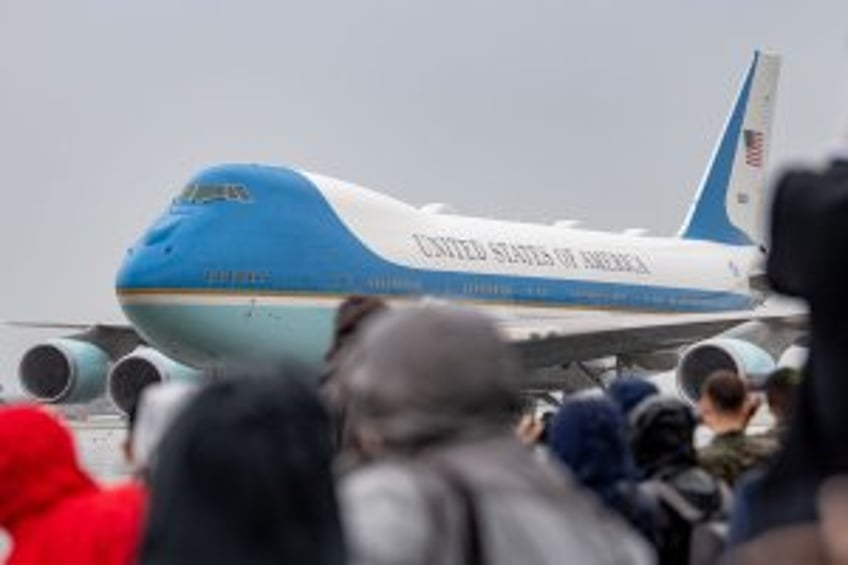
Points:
x=534 y=110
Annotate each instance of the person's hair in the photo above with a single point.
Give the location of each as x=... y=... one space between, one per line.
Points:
x=244 y=476
x=726 y=390
x=780 y=389
x=351 y=314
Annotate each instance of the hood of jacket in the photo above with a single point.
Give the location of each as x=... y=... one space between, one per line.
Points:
x=662 y=430
x=38 y=464
x=421 y=375
x=588 y=434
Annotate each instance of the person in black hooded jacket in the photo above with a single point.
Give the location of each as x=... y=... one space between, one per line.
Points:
x=662 y=431
x=244 y=477
x=588 y=434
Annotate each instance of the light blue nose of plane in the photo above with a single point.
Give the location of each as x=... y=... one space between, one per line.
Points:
x=161 y=231
x=151 y=262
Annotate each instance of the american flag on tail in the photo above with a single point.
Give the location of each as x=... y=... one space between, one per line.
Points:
x=753 y=147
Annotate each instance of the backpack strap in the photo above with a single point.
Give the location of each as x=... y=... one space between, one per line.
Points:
x=473 y=547
x=726 y=504
x=439 y=480
x=676 y=501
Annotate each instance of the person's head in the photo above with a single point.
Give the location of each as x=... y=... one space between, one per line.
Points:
x=662 y=430
x=149 y=420
x=351 y=316
x=780 y=390
x=244 y=476
x=589 y=434
x=428 y=374
x=724 y=403
x=628 y=392
x=38 y=463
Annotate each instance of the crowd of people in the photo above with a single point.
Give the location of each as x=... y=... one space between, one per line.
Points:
x=411 y=450
x=415 y=446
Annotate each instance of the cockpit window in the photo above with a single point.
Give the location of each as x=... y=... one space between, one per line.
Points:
x=202 y=193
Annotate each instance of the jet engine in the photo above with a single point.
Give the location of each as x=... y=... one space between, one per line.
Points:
x=63 y=370
x=702 y=359
x=142 y=367
x=795 y=356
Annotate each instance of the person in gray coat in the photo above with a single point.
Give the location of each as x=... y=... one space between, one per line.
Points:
x=433 y=393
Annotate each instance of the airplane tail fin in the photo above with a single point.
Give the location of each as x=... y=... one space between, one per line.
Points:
x=730 y=205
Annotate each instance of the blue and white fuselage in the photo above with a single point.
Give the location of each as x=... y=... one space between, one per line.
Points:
x=250 y=261
x=260 y=275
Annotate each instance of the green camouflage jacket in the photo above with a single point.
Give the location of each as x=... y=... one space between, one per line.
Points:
x=731 y=454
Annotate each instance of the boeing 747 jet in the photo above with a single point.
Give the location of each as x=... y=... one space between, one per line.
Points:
x=250 y=262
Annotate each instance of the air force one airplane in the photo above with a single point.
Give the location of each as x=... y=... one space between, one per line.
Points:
x=250 y=262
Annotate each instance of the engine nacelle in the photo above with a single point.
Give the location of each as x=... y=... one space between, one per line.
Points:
x=63 y=370
x=143 y=367
x=794 y=357
x=702 y=359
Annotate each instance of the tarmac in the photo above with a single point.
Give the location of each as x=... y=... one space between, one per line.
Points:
x=100 y=443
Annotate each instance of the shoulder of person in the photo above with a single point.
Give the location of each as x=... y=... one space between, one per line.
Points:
x=382 y=480
x=385 y=514
x=713 y=452
x=721 y=462
x=761 y=444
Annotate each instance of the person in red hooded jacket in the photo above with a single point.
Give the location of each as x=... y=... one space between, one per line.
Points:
x=53 y=511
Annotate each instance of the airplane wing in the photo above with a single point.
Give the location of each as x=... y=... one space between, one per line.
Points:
x=48 y=325
x=544 y=340
x=115 y=339
x=547 y=342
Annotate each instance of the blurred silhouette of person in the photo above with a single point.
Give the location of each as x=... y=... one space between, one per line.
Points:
x=629 y=391
x=54 y=512
x=530 y=429
x=433 y=395
x=546 y=420
x=243 y=476
x=780 y=388
x=662 y=439
x=726 y=408
x=351 y=316
x=149 y=420
x=589 y=434
x=787 y=507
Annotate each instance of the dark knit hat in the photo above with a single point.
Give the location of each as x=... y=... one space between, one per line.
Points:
x=627 y=392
